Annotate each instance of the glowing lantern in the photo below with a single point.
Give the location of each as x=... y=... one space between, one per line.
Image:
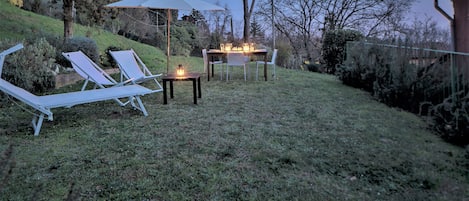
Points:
x=246 y=47
x=180 y=70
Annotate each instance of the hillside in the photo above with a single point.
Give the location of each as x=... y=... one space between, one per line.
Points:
x=18 y=24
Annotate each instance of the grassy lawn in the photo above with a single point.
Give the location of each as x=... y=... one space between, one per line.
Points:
x=304 y=136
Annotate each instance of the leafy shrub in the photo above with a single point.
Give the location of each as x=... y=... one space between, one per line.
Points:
x=283 y=54
x=452 y=118
x=334 y=47
x=357 y=71
x=396 y=78
x=31 y=68
x=86 y=45
x=313 y=67
x=107 y=59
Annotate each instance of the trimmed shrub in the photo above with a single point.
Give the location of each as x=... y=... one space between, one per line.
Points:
x=334 y=47
x=313 y=67
x=31 y=68
x=284 y=55
x=107 y=59
x=412 y=79
x=86 y=45
x=452 y=119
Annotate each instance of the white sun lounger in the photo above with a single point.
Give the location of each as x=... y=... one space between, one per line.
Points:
x=133 y=68
x=90 y=71
x=44 y=104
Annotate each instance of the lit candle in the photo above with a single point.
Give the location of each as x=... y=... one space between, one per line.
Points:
x=180 y=70
x=246 y=47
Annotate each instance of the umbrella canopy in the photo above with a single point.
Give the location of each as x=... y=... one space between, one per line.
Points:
x=169 y=5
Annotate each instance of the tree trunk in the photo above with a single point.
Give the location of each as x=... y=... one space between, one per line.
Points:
x=247 y=19
x=68 y=19
x=461 y=24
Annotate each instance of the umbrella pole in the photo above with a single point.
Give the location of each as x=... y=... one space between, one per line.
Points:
x=168 y=39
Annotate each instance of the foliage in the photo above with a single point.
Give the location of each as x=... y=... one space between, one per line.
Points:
x=31 y=68
x=452 y=119
x=84 y=44
x=314 y=67
x=420 y=86
x=107 y=58
x=334 y=47
x=184 y=39
x=283 y=54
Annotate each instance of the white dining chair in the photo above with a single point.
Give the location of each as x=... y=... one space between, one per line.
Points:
x=235 y=59
x=271 y=62
x=207 y=62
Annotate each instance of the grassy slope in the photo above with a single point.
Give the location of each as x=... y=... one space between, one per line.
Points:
x=304 y=136
x=17 y=24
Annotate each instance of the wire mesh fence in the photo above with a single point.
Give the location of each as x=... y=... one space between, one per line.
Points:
x=432 y=83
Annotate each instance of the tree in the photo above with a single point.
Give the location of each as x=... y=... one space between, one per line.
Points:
x=256 y=30
x=68 y=19
x=304 y=22
x=247 y=19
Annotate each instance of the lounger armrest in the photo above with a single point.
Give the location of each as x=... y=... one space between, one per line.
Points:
x=131 y=80
x=148 y=77
x=12 y=49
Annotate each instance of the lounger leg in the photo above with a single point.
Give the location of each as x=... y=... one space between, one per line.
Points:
x=37 y=124
x=141 y=106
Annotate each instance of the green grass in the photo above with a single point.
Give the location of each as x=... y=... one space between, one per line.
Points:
x=304 y=136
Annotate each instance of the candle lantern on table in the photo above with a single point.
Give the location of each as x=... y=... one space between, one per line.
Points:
x=246 y=47
x=228 y=46
x=252 y=46
x=180 y=70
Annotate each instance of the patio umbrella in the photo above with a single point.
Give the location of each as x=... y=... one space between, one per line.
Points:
x=169 y=5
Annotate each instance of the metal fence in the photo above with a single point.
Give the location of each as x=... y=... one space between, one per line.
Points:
x=443 y=75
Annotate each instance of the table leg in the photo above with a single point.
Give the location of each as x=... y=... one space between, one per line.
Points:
x=199 y=88
x=208 y=69
x=265 y=67
x=165 y=95
x=194 y=89
x=171 y=89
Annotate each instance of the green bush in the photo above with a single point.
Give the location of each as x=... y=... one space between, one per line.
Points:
x=313 y=67
x=283 y=54
x=86 y=45
x=393 y=77
x=452 y=118
x=31 y=68
x=334 y=47
x=107 y=58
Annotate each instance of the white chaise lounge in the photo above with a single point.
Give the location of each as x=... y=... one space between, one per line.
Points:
x=44 y=104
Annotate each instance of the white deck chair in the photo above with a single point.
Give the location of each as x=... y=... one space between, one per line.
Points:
x=90 y=71
x=271 y=62
x=235 y=59
x=207 y=62
x=44 y=104
x=133 y=68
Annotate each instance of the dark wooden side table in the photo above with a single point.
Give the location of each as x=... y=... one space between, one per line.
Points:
x=194 y=77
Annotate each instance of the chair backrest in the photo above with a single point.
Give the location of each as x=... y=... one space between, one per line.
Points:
x=274 y=56
x=204 y=56
x=89 y=70
x=236 y=59
x=130 y=64
x=7 y=52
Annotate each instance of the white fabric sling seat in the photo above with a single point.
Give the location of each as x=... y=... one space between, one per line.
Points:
x=133 y=68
